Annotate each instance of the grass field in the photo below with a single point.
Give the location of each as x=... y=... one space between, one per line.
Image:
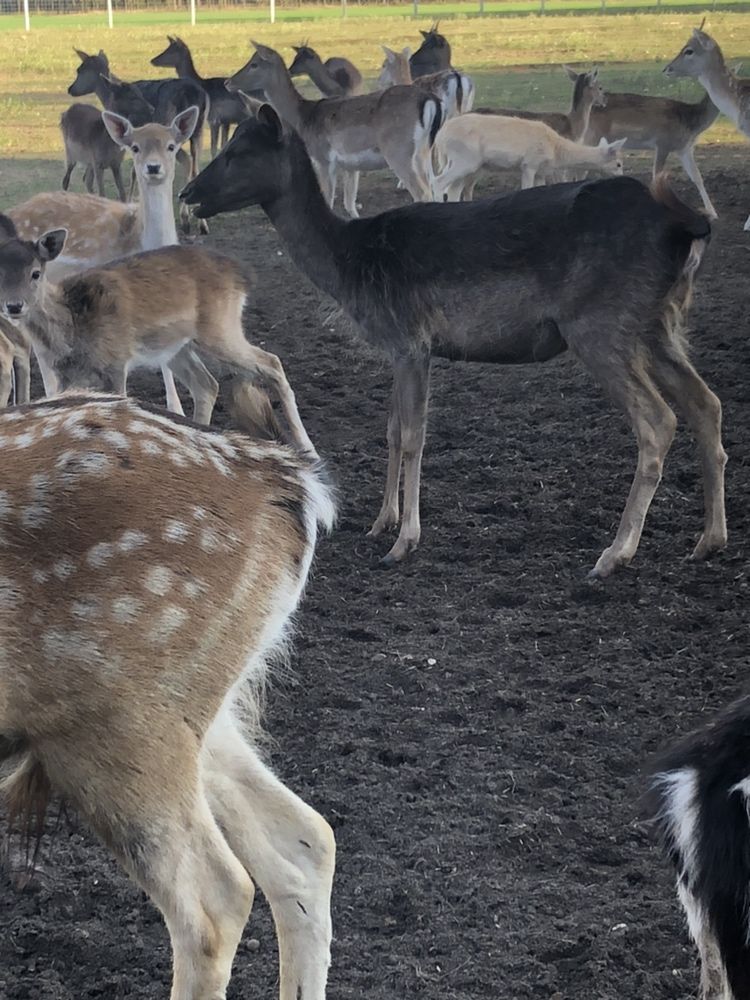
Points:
x=514 y=61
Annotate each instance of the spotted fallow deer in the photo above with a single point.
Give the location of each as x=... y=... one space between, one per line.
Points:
x=703 y=60
x=603 y=267
x=151 y=571
x=393 y=128
x=150 y=309
x=99 y=230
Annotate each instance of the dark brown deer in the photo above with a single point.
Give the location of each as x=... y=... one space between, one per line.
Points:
x=152 y=569
x=336 y=77
x=432 y=56
x=225 y=109
x=87 y=141
x=604 y=268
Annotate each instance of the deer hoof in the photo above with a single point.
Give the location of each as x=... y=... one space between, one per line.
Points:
x=707 y=546
x=203 y=227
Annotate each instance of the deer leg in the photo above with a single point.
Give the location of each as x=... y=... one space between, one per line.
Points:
x=117 y=176
x=411 y=379
x=174 y=404
x=22 y=363
x=69 y=168
x=350 y=186
x=660 y=159
x=49 y=377
x=654 y=425
x=687 y=159
x=214 y=127
x=469 y=186
x=701 y=409
x=224 y=134
x=185 y=161
x=528 y=176
x=388 y=516
x=201 y=384
x=288 y=848
x=99 y=177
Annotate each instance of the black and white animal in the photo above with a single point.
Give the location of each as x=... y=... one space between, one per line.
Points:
x=604 y=268
x=699 y=800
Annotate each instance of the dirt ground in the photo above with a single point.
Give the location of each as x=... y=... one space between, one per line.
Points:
x=473 y=723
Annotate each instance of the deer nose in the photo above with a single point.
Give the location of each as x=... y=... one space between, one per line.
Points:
x=154 y=169
x=14 y=308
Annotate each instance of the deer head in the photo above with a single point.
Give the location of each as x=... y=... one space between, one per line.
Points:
x=22 y=267
x=153 y=147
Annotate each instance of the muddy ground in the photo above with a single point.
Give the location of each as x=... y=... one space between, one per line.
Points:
x=472 y=723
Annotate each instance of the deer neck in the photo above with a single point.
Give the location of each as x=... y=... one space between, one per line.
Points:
x=323 y=79
x=580 y=114
x=311 y=232
x=103 y=92
x=573 y=154
x=186 y=68
x=50 y=323
x=721 y=86
x=156 y=215
x=285 y=98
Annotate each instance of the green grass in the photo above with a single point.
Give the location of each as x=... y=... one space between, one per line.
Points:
x=515 y=61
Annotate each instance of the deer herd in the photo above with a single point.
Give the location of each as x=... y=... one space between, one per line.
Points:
x=163 y=560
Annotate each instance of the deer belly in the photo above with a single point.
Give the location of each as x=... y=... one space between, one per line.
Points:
x=157 y=349
x=369 y=159
x=503 y=344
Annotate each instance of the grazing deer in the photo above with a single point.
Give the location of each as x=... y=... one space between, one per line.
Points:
x=455 y=89
x=153 y=569
x=433 y=55
x=603 y=267
x=587 y=95
x=151 y=309
x=699 y=801
x=225 y=109
x=467 y=145
x=99 y=230
x=394 y=128
x=702 y=60
x=87 y=141
x=662 y=124
x=336 y=77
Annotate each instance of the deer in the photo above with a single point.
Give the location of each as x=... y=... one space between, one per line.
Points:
x=99 y=230
x=225 y=109
x=702 y=60
x=603 y=267
x=433 y=55
x=87 y=141
x=697 y=802
x=150 y=309
x=153 y=574
x=393 y=128
x=588 y=95
x=468 y=144
x=167 y=97
x=336 y=77
x=455 y=89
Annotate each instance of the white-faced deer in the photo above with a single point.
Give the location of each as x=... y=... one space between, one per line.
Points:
x=87 y=141
x=225 y=109
x=393 y=128
x=702 y=59
x=467 y=145
x=336 y=77
x=698 y=801
x=433 y=55
x=604 y=268
x=587 y=95
x=455 y=89
x=152 y=571
x=152 y=309
x=99 y=230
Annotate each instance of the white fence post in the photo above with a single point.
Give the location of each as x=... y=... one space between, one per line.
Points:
x=192 y=12
x=26 y=18
x=272 y=10
x=110 y=21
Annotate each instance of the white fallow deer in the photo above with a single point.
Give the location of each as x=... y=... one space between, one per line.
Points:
x=99 y=230
x=151 y=571
x=702 y=59
x=150 y=309
x=393 y=128
x=470 y=143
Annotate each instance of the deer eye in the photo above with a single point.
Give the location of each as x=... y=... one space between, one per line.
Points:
x=135 y=148
x=688 y=52
x=36 y=275
x=171 y=147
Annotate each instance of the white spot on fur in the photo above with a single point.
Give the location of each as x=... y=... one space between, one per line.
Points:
x=150 y=447
x=88 y=607
x=73 y=645
x=131 y=540
x=194 y=588
x=116 y=439
x=5 y=505
x=64 y=568
x=22 y=440
x=159 y=580
x=74 y=463
x=177 y=459
x=100 y=554
x=681 y=813
x=168 y=621
x=199 y=513
x=39 y=576
x=125 y=610
x=210 y=540
x=176 y=531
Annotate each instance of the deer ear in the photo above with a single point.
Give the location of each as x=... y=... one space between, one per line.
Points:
x=424 y=34
x=616 y=146
x=268 y=117
x=389 y=53
x=83 y=56
x=102 y=56
x=406 y=52
x=50 y=244
x=183 y=125
x=571 y=72
x=118 y=127
x=8 y=229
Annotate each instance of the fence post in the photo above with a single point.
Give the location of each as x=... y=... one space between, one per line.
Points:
x=192 y=12
x=26 y=18
x=541 y=6
x=272 y=10
x=416 y=8
x=343 y=8
x=481 y=7
x=110 y=21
